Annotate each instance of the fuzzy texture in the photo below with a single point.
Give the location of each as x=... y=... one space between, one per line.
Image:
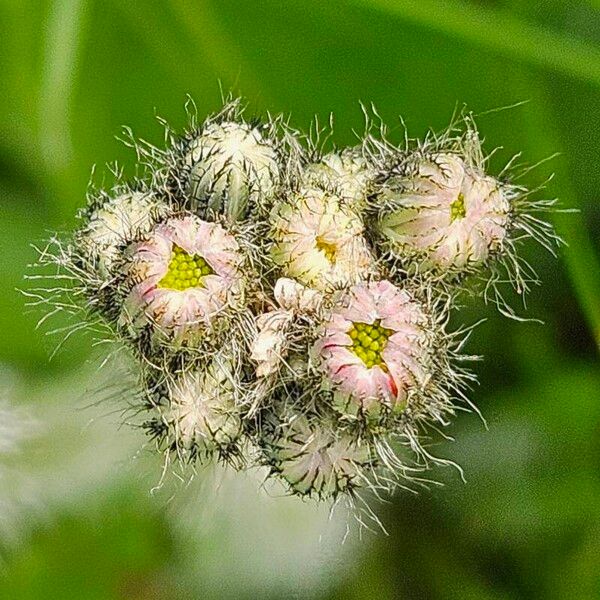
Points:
x=231 y=165
x=115 y=224
x=444 y=214
x=347 y=174
x=319 y=241
x=178 y=313
x=316 y=461
x=400 y=345
x=287 y=306
x=202 y=412
x=438 y=214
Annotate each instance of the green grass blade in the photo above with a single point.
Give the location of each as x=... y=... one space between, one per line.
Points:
x=62 y=46
x=500 y=32
x=216 y=47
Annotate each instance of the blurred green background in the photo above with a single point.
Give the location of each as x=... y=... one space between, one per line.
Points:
x=77 y=519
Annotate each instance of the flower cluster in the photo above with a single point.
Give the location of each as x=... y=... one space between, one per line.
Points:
x=288 y=307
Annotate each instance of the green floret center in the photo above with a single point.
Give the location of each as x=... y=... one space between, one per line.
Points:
x=369 y=342
x=457 y=208
x=185 y=271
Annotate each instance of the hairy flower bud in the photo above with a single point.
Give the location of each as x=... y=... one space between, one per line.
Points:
x=183 y=277
x=232 y=167
x=443 y=213
x=346 y=173
x=115 y=224
x=201 y=413
x=319 y=241
x=316 y=460
x=374 y=349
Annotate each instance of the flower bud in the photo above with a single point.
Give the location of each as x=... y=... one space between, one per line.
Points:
x=316 y=460
x=232 y=168
x=346 y=173
x=374 y=350
x=444 y=214
x=201 y=414
x=114 y=225
x=183 y=277
x=319 y=241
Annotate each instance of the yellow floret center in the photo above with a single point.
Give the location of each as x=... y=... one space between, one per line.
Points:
x=369 y=342
x=457 y=208
x=327 y=248
x=185 y=270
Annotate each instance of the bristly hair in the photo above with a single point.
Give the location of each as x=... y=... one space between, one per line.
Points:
x=286 y=304
x=398 y=168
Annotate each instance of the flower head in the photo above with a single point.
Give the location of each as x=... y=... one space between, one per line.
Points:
x=232 y=168
x=347 y=173
x=183 y=276
x=296 y=311
x=447 y=213
x=201 y=413
x=116 y=223
x=374 y=348
x=316 y=460
x=319 y=241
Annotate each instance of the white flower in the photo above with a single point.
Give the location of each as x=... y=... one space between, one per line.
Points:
x=183 y=277
x=269 y=347
x=447 y=213
x=114 y=225
x=319 y=241
x=232 y=168
x=202 y=412
x=347 y=173
x=315 y=459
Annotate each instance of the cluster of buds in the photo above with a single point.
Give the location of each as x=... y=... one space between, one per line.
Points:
x=288 y=307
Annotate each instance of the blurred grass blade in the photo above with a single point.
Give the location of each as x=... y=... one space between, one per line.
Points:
x=216 y=46
x=62 y=46
x=582 y=261
x=501 y=32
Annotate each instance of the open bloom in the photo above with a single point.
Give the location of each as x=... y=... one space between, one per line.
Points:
x=319 y=241
x=315 y=459
x=232 y=165
x=447 y=213
x=114 y=225
x=202 y=412
x=347 y=173
x=183 y=276
x=374 y=348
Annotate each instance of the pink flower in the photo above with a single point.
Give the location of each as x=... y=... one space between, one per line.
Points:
x=374 y=348
x=184 y=275
x=448 y=213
